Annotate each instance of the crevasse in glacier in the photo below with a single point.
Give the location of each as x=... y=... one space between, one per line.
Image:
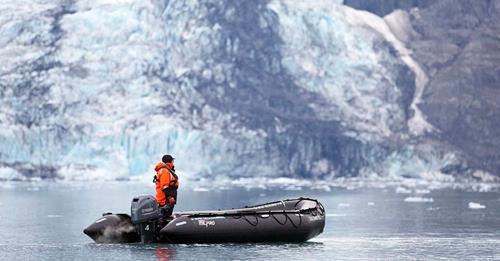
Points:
x=101 y=89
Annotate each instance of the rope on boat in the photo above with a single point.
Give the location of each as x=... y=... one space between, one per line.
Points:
x=288 y=218
x=314 y=211
x=249 y=222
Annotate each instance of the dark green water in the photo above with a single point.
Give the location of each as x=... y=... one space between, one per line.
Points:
x=44 y=221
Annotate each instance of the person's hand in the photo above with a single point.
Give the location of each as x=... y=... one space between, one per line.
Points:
x=171 y=201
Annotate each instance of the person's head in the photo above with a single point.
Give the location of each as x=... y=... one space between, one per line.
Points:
x=167 y=159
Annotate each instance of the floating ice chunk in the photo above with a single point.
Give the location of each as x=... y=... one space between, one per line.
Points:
x=293 y=188
x=323 y=187
x=402 y=190
x=336 y=215
x=344 y=205
x=200 y=189
x=474 y=205
x=422 y=191
x=284 y=181
x=371 y=204
x=418 y=199
x=54 y=216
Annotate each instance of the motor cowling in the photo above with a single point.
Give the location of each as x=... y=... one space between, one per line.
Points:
x=145 y=215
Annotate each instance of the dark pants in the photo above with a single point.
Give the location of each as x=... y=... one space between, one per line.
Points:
x=166 y=211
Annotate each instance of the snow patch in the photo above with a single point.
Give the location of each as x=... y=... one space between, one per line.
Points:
x=399 y=23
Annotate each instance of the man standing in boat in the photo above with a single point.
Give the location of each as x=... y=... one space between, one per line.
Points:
x=167 y=183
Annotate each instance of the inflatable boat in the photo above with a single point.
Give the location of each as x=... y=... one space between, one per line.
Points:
x=290 y=220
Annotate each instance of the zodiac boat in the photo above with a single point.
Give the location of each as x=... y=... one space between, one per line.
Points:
x=290 y=220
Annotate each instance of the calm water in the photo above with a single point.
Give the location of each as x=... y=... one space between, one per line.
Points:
x=45 y=222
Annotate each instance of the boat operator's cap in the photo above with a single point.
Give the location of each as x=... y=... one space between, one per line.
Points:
x=167 y=158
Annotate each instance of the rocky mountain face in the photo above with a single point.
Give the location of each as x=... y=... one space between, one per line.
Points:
x=102 y=89
x=385 y=7
x=457 y=44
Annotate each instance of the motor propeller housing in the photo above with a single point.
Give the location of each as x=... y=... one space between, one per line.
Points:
x=145 y=215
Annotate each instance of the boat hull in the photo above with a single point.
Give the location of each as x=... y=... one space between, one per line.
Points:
x=292 y=220
x=245 y=228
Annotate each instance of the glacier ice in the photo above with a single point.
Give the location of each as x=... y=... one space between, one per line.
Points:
x=101 y=89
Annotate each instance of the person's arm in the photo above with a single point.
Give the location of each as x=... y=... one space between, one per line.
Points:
x=165 y=187
x=164 y=178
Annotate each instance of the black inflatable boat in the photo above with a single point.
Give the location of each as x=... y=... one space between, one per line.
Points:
x=290 y=220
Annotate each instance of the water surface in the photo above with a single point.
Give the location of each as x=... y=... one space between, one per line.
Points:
x=44 y=221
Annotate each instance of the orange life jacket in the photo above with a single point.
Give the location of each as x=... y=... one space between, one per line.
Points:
x=165 y=179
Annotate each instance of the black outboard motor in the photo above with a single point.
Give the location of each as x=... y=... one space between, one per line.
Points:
x=145 y=215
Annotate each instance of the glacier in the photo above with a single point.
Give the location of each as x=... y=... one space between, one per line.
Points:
x=311 y=90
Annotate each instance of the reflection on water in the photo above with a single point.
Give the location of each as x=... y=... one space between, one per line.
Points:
x=164 y=253
x=46 y=223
